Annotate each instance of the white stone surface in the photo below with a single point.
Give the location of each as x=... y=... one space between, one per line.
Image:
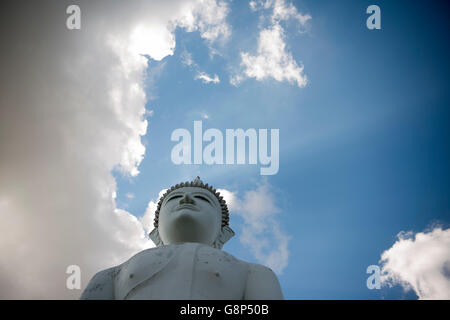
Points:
x=187 y=263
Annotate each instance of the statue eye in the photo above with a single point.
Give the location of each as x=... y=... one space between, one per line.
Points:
x=203 y=198
x=174 y=197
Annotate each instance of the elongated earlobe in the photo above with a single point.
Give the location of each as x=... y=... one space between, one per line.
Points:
x=226 y=233
x=154 y=235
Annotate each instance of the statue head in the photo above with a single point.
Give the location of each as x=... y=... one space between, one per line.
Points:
x=192 y=212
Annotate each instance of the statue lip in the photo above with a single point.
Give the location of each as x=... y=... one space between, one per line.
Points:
x=186 y=206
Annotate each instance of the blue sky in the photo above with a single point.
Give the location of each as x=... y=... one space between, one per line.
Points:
x=363 y=146
x=86 y=117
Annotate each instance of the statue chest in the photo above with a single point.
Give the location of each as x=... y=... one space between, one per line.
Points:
x=187 y=271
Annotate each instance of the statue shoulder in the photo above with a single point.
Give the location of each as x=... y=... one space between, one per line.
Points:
x=219 y=252
x=101 y=286
x=140 y=267
x=156 y=253
x=262 y=284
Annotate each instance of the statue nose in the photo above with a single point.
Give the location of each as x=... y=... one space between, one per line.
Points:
x=187 y=199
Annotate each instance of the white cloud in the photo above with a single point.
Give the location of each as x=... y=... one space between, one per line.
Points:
x=260 y=4
x=186 y=59
x=283 y=11
x=236 y=80
x=207 y=78
x=152 y=39
x=420 y=262
x=261 y=232
x=154 y=73
x=206 y=16
x=149 y=216
x=272 y=59
x=72 y=110
x=231 y=199
x=253 y=5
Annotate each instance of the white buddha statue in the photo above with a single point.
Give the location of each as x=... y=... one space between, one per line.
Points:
x=191 y=226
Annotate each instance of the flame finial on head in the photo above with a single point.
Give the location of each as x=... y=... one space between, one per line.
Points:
x=197 y=180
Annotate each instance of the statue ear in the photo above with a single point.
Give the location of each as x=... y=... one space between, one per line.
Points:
x=154 y=235
x=226 y=233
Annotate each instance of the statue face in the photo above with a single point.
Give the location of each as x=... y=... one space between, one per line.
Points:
x=190 y=214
